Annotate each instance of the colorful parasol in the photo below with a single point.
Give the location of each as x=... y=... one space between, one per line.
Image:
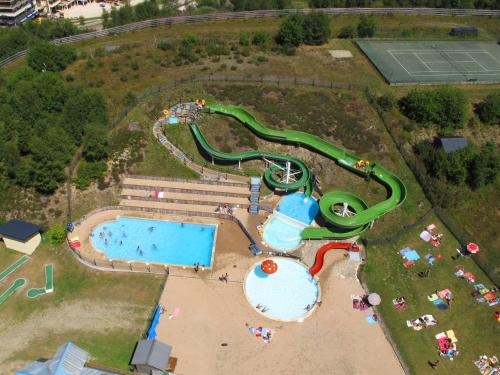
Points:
x=473 y=248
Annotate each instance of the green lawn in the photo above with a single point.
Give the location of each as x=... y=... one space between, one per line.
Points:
x=74 y=283
x=476 y=330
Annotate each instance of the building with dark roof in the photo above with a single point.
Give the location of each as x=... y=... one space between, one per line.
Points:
x=21 y=236
x=151 y=356
x=452 y=144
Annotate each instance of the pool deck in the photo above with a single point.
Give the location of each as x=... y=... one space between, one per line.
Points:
x=335 y=340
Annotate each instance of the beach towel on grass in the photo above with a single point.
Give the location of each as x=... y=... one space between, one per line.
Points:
x=426 y=236
x=371 y=318
x=410 y=254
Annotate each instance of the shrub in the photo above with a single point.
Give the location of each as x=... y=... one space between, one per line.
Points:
x=260 y=38
x=489 y=110
x=291 y=32
x=347 y=32
x=386 y=101
x=164 y=45
x=115 y=66
x=134 y=65
x=88 y=172
x=485 y=167
x=317 y=29
x=262 y=59
x=245 y=39
x=366 y=26
x=56 y=234
x=124 y=78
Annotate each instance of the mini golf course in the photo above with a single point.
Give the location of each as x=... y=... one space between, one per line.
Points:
x=49 y=283
x=18 y=283
x=338 y=226
x=14 y=266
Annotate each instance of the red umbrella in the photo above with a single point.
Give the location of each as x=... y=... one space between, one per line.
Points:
x=269 y=266
x=473 y=248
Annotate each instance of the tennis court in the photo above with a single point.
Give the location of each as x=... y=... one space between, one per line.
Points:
x=406 y=63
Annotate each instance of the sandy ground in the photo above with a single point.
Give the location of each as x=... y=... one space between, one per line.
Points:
x=91 y=316
x=335 y=339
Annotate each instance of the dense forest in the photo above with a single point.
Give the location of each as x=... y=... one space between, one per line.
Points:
x=44 y=120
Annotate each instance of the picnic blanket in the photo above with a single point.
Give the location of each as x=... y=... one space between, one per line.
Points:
x=422 y=322
x=447 y=344
x=409 y=254
x=426 y=236
x=488 y=366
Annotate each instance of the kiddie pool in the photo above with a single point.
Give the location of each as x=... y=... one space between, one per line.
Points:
x=294 y=213
x=289 y=294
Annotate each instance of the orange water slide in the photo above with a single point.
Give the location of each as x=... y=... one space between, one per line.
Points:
x=320 y=254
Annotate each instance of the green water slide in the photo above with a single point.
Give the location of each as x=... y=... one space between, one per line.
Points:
x=339 y=226
x=269 y=175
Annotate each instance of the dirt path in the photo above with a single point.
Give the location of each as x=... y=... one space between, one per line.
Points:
x=69 y=316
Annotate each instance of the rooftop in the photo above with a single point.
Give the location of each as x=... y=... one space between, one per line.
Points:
x=19 y=230
x=152 y=353
x=451 y=144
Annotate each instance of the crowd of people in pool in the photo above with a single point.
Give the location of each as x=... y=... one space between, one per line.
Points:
x=103 y=234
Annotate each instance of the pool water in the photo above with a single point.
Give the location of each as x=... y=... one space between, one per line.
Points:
x=156 y=241
x=288 y=294
x=282 y=233
x=299 y=206
x=294 y=213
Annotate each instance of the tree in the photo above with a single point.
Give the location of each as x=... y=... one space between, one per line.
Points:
x=452 y=107
x=260 y=38
x=49 y=57
x=485 y=167
x=366 y=26
x=317 y=28
x=56 y=234
x=95 y=143
x=419 y=105
x=291 y=32
x=446 y=107
x=489 y=109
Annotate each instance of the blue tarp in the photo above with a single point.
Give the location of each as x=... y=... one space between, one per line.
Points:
x=410 y=254
x=154 y=323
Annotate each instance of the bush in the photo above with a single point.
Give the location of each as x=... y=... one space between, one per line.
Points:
x=386 y=101
x=88 y=172
x=245 y=39
x=489 y=110
x=56 y=234
x=49 y=57
x=260 y=38
x=164 y=45
x=291 y=32
x=446 y=107
x=347 y=32
x=366 y=26
x=317 y=29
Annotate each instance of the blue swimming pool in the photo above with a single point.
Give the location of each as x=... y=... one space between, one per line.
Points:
x=281 y=233
x=288 y=294
x=156 y=241
x=299 y=206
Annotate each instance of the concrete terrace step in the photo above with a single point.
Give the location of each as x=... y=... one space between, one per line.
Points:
x=151 y=189
x=175 y=194
x=239 y=189
x=201 y=200
x=167 y=206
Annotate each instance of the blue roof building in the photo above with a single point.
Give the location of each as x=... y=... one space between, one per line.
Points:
x=68 y=360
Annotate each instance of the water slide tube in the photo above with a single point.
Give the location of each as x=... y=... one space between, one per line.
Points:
x=320 y=254
x=338 y=226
